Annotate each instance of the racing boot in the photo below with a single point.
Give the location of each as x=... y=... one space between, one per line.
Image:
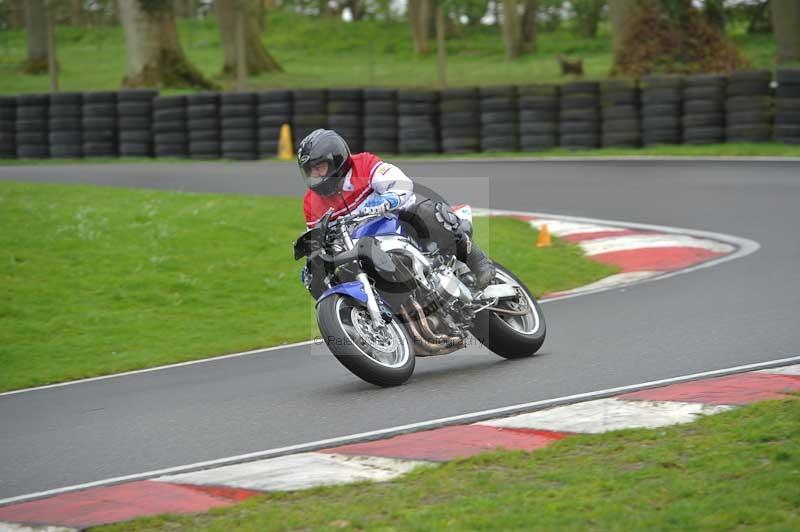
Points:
x=482 y=267
x=475 y=259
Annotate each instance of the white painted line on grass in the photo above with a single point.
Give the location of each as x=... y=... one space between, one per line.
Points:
x=412 y=427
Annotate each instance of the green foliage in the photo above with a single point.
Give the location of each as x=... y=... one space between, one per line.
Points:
x=549 y=14
x=101 y=280
x=326 y=52
x=587 y=15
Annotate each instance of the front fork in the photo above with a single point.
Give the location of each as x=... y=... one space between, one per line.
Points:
x=372 y=302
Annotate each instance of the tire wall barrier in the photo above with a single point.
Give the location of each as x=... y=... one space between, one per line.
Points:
x=746 y=106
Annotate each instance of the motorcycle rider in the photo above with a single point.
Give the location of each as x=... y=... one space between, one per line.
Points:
x=359 y=184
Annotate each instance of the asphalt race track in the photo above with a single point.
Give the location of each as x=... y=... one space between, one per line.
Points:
x=740 y=312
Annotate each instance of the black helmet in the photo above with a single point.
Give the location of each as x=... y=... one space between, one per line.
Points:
x=324 y=145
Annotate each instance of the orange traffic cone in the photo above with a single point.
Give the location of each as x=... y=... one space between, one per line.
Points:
x=544 y=237
x=285 y=150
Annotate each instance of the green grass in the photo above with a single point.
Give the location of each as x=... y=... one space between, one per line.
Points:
x=767 y=149
x=323 y=52
x=734 y=471
x=101 y=280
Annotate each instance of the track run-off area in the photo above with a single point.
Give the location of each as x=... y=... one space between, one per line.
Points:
x=737 y=313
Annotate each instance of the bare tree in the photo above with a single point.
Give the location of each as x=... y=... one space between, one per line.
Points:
x=786 y=23
x=36 y=33
x=531 y=9
x=154 y=56
x=618 y=11
x=512 y=29
x=441 y=49
x=587 y=13
x=257 y=58
x=184 y=8
x=419 y=15
x=357 y=8
x=16 y=14
x=519 y=27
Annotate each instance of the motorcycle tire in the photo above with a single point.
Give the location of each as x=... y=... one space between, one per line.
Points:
x=335 y=317
x=504 y=338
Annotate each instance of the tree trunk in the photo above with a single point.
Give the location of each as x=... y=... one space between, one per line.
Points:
x=714 y=11
x=529 y=25
x=114 y=13
x=16 y=14
x=257 y=58
x=356 y=9
x=184 y=8
x=512 y=29
x=618 y=11
x=76 y=12
x=760 y=19
x=786 y=22
x=418 y=15
x=36 y=32
x=261 y=15
x=441 y=50
x=154 y=56
x=588 y=14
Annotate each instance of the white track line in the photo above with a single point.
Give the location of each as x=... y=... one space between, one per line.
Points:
x=412 y=427
x=743 y=247
x=158 y=368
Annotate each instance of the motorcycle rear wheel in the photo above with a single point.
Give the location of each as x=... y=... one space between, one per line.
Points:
x=384 y=357
x=511 y=336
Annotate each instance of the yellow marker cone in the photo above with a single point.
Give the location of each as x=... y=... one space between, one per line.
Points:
x=285 y=150
x=544 y=237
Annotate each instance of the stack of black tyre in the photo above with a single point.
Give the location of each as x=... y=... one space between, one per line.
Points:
x=8 y=118
x=749 y=106
x=380 y=120
x=204 y=140
x=704 y=109
x=100 y=124
x=661 y=109
x=345 y=115
x=787 y=106
x=579 y=117
x=499 y=126
x=538 y=116
x=65 y=129
x=620 y=113
x=169 y=127
x=135 y=122
x=274 y=110
x=460 y=120
x=239 y=125
x=32 y=126
x=310 y=112
x=417 y=121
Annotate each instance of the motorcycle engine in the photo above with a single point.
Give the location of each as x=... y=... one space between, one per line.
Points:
x=449 y=287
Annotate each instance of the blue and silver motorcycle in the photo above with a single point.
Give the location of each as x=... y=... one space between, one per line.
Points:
x=383 y=300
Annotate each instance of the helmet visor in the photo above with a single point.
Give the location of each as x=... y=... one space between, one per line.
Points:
x=316 y=171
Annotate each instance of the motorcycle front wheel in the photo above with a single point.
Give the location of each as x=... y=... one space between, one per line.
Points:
x=382 y=355
x=518 y=332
